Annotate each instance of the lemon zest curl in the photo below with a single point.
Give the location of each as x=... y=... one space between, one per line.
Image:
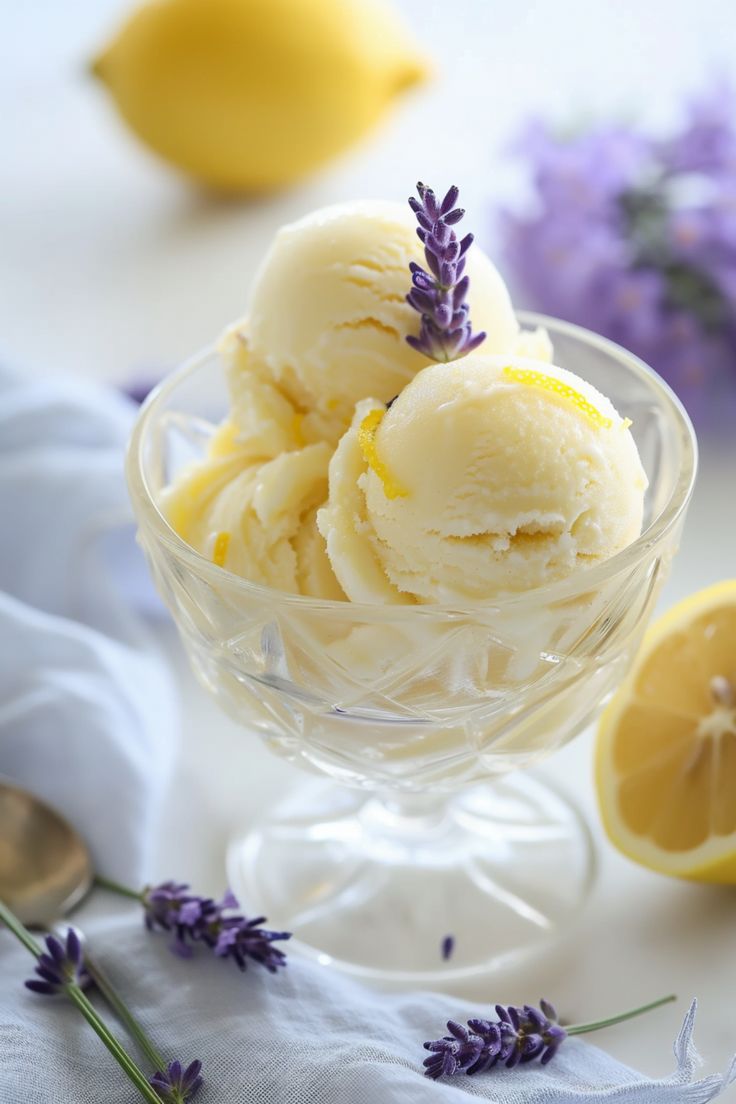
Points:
x=367 y=442
x=219 y=552
x=532 y=378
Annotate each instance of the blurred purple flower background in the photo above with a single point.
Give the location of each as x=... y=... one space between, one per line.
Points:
x=634 y=236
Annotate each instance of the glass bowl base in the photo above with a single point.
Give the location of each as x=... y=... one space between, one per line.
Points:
x=380 y=887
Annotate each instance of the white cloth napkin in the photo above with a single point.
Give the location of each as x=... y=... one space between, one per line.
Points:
x=86 y=708
x=304 y=1036
x=86 y=717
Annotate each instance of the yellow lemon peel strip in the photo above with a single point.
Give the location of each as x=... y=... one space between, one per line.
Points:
x=219 y=552
x=296 y=429
x=532 y=378
x=367 y=442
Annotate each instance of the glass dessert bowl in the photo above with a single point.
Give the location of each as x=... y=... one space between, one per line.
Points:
x=419 y=713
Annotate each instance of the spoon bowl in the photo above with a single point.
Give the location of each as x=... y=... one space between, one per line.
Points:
x=45 y=867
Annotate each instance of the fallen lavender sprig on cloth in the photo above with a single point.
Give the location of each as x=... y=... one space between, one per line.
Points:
x=439 y=295
x=634 y=236
x=191 y=919
x=64 y=969
x=519 y=1035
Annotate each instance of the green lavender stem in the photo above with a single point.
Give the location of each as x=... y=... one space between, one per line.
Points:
x=116 y=887
x=121 y=1056
x=583 y=1029
x=20 y=932
x=123 y=1013
x=95 y=1021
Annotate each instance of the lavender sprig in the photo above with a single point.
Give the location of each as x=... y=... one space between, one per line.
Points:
x=78 y=998
x=66 y=970
x=519 y=1035
x=192 y=919
x=439 y=295
x=61 y=965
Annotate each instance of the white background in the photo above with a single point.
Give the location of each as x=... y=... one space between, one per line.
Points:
x=111 y=267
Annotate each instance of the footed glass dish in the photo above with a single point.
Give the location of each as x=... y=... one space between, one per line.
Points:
x=416 y=715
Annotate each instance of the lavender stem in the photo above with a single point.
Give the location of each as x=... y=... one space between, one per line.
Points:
x=583 y=1029
x=123 y=1013
x=136 y=1075
x=116 y=887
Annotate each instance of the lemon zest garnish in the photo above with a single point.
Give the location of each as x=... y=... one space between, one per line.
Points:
x=626 y=422
x=296 y=429
x=219 y=552
x=367 y=442
x=548 y=383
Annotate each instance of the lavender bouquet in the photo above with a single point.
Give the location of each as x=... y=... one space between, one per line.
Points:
x=634 y=236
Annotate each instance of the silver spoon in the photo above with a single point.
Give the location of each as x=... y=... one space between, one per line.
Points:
x=45 y=867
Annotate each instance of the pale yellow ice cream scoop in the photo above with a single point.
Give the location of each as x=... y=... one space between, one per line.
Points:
x=328 y=320
x=488 y=475
x=257 y=519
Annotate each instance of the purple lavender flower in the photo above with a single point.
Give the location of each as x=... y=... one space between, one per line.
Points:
x=177 y=1085
x=447 y=947
x=439 y=294
x=241 y=939
x=519 y=1035
x=62 y=965
x=634 y=236
x=707 y=141
x=170 y=907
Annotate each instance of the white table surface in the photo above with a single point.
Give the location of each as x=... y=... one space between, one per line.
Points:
x=110 y=266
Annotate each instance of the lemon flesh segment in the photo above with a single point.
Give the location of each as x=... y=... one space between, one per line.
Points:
x=666 y=750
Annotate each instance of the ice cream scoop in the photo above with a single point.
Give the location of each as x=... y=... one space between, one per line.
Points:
x=328 y=320
x=489 y=475
x=258 y=519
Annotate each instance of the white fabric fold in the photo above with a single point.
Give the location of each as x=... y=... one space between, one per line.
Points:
x=86 y=705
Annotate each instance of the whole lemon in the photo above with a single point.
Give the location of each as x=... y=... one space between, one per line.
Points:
x=248 y=95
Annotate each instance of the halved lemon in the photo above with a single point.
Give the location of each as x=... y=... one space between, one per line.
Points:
x=666 y=752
